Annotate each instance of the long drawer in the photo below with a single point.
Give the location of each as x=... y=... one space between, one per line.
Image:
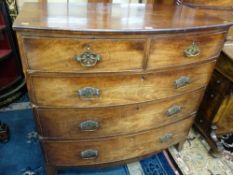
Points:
x=100 y=91
x=90 y=152
x=117 y=55
x=112 y=121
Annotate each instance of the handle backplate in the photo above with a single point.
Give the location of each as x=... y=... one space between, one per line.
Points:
x=89 y=92
x=89 y=154
x=88 y=58
x=175 y=109
x=182 y=81
x=166 y=137
x=89 y=125
x=192 y=51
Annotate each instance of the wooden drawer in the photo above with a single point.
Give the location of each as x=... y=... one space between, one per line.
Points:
x=99 y=122
x=99 y=91
x=113 y=149
x=171 y=50
x=70 y=55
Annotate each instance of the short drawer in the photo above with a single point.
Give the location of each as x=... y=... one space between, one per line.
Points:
x=177 y=50
x=84 y=55
x=111 y=90
x=113 y=149
x=112 y=121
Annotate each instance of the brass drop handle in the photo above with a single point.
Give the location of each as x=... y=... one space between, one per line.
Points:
x=192 y=51
x=88 y=58
x=89 y=92
x=182 y=81
x=166 y=137
x=175 y=109
x=89 y=154
x=89 y=125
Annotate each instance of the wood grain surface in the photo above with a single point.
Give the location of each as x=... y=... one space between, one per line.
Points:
x=142 y=59
x=116 y=90
x=67 y=153
x=58 y=54
x=228 y=4
x=117 y=18
x=65 y=123
x=168 y=50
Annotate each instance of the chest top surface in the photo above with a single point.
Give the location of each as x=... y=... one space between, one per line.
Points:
x=102 y=17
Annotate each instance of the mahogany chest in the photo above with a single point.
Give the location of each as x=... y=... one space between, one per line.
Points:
x=113 y=82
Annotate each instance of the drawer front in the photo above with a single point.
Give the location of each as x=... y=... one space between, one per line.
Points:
x=113 y=149
x=183 y=49
x=99 y=91
x=102 y=122
x=70 y=55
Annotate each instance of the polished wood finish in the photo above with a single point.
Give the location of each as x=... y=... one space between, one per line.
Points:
x=107 y=18
x=139 y=98
x=117 y=90
x=114 y=149
x=173 y=46
x=219 y=4
x=120 y=54
x=65 y=123
x=215 y=116
x=117 y=54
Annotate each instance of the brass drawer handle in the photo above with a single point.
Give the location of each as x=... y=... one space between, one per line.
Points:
x=192 y=51
x=88 y=58
x=89 y=125
x=182 y=81
x=173 y=110
x=89 y=154
x=89 y=92
x=166 y=137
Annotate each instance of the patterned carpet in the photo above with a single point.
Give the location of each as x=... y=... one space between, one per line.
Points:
x=194 y=159
x=22 y=154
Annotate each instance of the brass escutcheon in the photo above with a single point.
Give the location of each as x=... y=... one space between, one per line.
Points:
x=89 y=92
x=89 y=154
x=88 y=58
x=192 y=51
x=89 y=125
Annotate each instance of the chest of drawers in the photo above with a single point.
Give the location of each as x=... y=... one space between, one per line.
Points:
x=110 y=82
